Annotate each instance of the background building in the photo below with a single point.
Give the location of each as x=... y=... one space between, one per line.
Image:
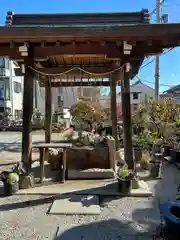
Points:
x=139 y=93
x=173 y=92
x=11 y=89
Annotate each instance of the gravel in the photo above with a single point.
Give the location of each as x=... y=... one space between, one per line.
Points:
x=25 y=217
x=119 y=218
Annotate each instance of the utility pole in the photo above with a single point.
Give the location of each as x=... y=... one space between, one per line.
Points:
x=157 y=62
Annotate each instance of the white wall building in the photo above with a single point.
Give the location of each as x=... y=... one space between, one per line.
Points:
x=11 y=89
x=139 y=93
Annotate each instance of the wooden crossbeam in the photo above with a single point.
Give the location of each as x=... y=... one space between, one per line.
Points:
x=110 y=51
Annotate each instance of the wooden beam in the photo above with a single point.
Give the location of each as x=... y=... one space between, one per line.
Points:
x=78 y=84
x=48 y=113
x=127 y=123
x=114 y=109
x=111 y=51
x=139 y=32
x=27 y=111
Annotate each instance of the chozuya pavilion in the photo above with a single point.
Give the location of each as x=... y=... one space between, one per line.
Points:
x=65 y=50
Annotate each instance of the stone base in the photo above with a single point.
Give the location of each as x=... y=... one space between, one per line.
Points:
x=87 y=157
x=91 y=174
x=69 y=204
x=89 y=187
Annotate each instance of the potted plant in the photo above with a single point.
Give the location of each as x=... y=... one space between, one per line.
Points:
x=137 y=147
x=145 y=159
x=124 y=177
x=11 y=182
x=168 y=145
x=177 y=152
x=155 y=167
x=166 y=150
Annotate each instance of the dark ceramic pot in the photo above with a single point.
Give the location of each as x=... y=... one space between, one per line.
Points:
x=173 y=155
x=167 y=150
x=10 y=189
x=137 y=154
x=177 y=158
x=124 y=186
x=144 y=165
x=155 y=169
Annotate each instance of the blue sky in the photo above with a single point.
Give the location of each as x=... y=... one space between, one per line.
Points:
x=170 y=64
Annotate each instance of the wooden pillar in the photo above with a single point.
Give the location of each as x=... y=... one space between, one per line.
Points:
x=127 y=123
x=48 y=113
x=114 y=108
x=27 y=110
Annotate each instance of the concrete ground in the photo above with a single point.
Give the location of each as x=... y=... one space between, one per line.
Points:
x=10 y=145
x=25 y=216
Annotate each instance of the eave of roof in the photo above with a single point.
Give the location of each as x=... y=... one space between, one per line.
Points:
x=141 y=32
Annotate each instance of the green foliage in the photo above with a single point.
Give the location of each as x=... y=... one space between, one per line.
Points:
x=58 y=126
x=145 y=141
x=13 y=178
x=178 y=123
x=155 y=116
x=88 y=112
x=123 y=173
x=145 y=158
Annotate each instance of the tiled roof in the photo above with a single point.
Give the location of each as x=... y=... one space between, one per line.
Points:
x=74 y=19
x=172 y=89
x=167 y=96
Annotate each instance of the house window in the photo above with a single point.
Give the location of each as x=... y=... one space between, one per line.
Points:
x=18 y=114
x=17 y=87
x=7 y=88
x=1 y=111
x=135 y=96
x=2 y=72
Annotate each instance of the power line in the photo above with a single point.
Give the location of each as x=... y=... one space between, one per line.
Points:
x=155 y=9
x=165 y=85
x=165 y=52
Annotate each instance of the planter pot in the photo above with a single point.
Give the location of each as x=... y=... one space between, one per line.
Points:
x=124 y=186
x=137 y=154
x=155 y=168
x=171 y=214
x=177 y=158
x=144 y=165
x=173 y=155
x=10 y=189
x=167 y=150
